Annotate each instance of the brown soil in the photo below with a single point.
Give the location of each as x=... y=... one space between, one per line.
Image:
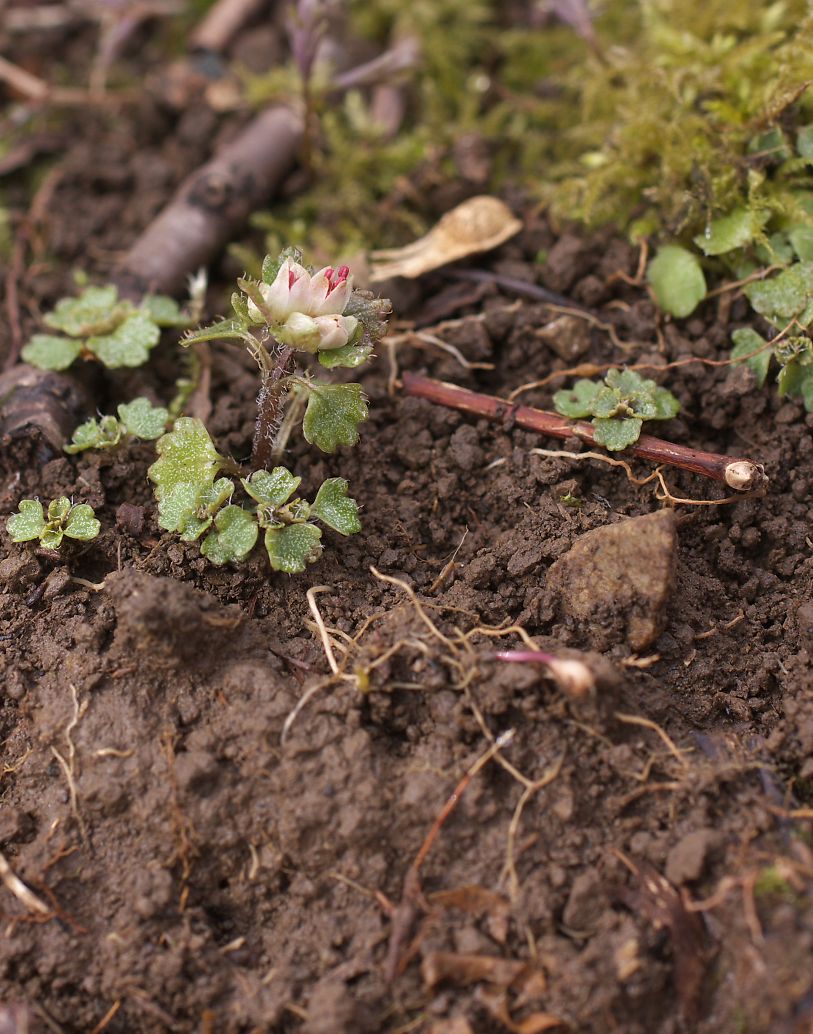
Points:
x=211 y=861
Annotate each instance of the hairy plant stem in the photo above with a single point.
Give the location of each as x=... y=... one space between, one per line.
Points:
x=742 y=475
x=270 y=404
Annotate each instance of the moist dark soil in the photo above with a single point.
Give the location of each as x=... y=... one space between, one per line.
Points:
x=218 y=830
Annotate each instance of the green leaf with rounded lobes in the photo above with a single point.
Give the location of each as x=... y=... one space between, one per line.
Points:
x=81 y=523
x=58 y=509
x=783 y=296
x=93 y=311
x=143 y=420
x=617 y=434
x=676 y=277
x=184 y=471
x=335 y=508
x=209 y=502
x=52 y=537
x=129 y=344
x=350 y=356
x=746 y=342
x=732 y=231
x=293 y=547
x=666 y=404
x=333 y=415
x=28 y=523
x=233 y=537
x=272 y=488
x=577 y=402
x=163 y=310
x=804 y=142
x=801 y=237
x=95 y=434
x=50 y=352
x=223 y=330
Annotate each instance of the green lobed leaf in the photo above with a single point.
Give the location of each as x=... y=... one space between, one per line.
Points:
x=185 y=469
x=783 y=296
x=129 y=345
x=92 y=312
x=609 y=403
x=293 y=547
x=163 y=310
x=223 y=330
x=95 y=434
x=801 y=237
x=28 y=523
x=806 y=389
x=617 y=434
x=52 y=536
x=272 y=488
x=142 y=419
x=747 y=341
x=732 y=231
x=666 y=405
x=350 y=356
x=677 y=279
x=49 y=352
x=335 y=508
x=58 y=509
x=577 y=402
x=81 y=523
x=208 y=503
x=233 y=537
x=333 y=415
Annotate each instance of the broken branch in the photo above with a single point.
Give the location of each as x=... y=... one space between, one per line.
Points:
x=741 y=475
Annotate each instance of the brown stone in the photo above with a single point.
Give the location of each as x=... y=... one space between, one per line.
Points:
x=615 y=580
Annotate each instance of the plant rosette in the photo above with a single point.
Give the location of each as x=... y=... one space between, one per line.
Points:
x=618 y=407
x=62 y=519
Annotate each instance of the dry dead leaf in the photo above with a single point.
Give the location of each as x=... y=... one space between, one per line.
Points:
x=475 y=226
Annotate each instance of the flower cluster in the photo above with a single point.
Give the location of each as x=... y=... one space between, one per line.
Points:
x=304 y=311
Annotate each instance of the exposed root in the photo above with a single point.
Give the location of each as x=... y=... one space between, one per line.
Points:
x=647 y=723
x=26 y=896
x=68 y=765
x=327 y=645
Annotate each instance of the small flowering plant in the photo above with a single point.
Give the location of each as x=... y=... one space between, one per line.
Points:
x=291 y=312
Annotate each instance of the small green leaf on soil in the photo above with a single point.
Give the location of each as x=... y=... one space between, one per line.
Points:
x=81 y=523
x=163 y=310
x=747 y=341
x=292 y=548
x=732 y=231
x=209 y=502
x=95 y=434
x=142 y=419
x=333 y=415
x=184 y=471
x=783 y=296
x=677 y=279
x=617 y=434
x=233 y=537
x=335 y=508
x=28 y=523
x=50 y=352
x=92 y=310
x=129 y=345
x=576 y=402
x=272 y=488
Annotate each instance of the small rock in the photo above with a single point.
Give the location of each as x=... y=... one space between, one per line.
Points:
x=19 y=570
x=567 y=336
x=615 y=580
x=687 y=858
x=464 y=448
x=586 y=903
x=130 y=519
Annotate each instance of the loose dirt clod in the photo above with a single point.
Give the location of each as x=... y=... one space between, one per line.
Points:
x=615 y=580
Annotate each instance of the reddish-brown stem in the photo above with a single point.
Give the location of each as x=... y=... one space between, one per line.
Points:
x=269 y=410
x=742 y=475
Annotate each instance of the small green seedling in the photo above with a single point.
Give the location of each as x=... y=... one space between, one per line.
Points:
x=618 y=407
x=63 y=518
x=101 y=326
x=136 y=419
x=290 y=311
